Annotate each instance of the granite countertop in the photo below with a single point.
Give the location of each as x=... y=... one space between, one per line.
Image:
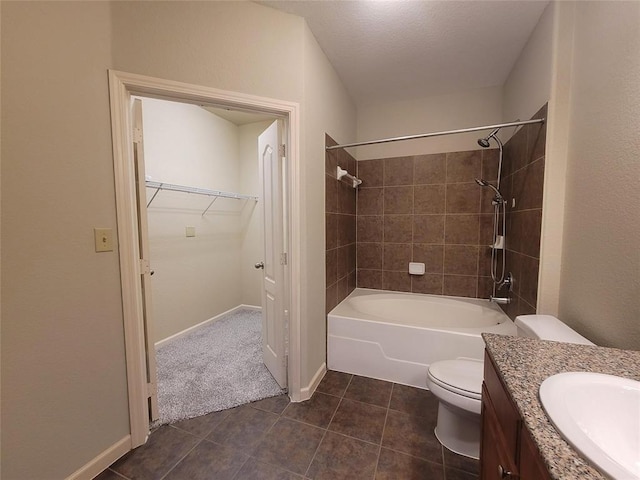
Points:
x=523 y=363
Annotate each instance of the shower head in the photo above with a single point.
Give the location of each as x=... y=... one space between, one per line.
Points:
x=484 y=183
x=484 y=142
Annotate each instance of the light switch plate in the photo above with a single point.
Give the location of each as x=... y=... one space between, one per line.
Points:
x=103 y=239
x=190 y=231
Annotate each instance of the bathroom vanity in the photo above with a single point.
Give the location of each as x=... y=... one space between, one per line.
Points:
x=518 y=440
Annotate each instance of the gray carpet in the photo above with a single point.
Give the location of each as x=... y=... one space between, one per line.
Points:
x=213 y=368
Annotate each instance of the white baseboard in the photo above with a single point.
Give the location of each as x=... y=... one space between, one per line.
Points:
x=256 y=308
x=102 y=461
x=206 y=322
x=307 y=392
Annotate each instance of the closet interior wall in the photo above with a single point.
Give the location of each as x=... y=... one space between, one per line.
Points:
x=199 y=277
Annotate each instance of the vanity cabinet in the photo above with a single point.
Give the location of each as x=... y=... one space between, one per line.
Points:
x=507 y=451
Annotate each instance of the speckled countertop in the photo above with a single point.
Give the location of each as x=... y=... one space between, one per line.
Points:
x=524 y=363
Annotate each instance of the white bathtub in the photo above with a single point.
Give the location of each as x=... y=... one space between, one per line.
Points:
x=394 y=336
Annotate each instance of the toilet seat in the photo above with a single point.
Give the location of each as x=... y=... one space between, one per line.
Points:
x=462 y=376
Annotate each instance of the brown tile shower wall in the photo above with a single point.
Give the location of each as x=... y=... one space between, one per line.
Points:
x=340 y=218
x=522 y=182
x=428 y=209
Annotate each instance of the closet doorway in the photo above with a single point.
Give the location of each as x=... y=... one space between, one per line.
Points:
x=138 y=192
x=211 y=232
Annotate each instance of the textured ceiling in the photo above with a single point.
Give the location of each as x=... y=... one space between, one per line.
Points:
x=395 y=50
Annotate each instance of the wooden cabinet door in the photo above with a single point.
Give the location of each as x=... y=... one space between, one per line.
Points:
x=531 y=464
x=495 y=461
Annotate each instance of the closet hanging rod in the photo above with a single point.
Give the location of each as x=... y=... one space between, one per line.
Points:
x=198 y=191
x=437 y=134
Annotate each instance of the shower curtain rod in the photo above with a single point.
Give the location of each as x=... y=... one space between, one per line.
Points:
x=437 y=134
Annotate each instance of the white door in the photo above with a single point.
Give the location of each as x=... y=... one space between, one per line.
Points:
x=274 y=316
x=143 y=245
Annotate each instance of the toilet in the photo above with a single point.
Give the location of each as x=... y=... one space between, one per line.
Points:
x=458 y=385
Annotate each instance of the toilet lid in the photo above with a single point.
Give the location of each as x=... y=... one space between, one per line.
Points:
x=462 y=374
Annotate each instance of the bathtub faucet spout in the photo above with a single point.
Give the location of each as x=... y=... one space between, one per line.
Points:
x=500 y=300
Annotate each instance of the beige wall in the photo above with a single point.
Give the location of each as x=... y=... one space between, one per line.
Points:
x=528 y=86
x=600 y=282
x=327 y=108
x=471 y=108
x=64 y=398
x=64 y=391
x=540 y=76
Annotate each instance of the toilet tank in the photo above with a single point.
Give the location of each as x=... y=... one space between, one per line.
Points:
x=547 y=327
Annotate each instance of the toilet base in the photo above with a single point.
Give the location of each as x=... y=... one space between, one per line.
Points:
x=458 y=430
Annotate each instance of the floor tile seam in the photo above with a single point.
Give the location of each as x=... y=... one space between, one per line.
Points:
x=310 y=424
x=267 y=432
x=334 y=413
x=364 y=403
x=190 y=433
x=324 y=434
x=356 y=438
x=256 y=407
x=222 y=443
x=412 y=456
x=118 y=473
x=390 y=397
x=411 y=414
x=330 y=394
x=235 y=475
x=181 y=459
x=313 y=457
x=350 y=380
x=275 y=465
x=444 y=467
x=351 y=438
x=384 y=425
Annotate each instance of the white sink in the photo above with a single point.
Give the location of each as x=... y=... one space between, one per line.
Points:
x=599 y=415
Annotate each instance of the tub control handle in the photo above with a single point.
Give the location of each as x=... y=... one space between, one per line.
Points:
x=502 y=473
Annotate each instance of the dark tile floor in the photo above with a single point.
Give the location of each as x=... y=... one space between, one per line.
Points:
x=352 y=428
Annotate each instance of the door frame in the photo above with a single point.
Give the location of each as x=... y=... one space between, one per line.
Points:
x=122 y=86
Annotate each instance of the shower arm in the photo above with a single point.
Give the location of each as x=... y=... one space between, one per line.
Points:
x=437 y=134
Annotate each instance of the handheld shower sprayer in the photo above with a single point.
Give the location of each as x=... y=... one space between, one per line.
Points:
x=483 y=183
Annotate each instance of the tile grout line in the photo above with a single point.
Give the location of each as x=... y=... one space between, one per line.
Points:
x=326 y=430
x=384 y=426
x=181 y=458
x=109 y=469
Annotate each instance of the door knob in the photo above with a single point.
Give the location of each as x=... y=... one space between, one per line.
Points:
x=259 y=265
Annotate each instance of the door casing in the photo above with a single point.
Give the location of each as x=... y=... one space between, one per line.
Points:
x=122 y=86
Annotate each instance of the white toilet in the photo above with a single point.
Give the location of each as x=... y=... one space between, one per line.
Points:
x=458 y=385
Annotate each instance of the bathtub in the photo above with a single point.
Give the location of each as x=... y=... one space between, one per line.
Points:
x=394 y=336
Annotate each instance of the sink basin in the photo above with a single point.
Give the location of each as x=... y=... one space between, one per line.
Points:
x=599 y=415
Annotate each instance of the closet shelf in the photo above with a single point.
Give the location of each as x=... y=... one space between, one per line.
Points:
x=195 y=190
